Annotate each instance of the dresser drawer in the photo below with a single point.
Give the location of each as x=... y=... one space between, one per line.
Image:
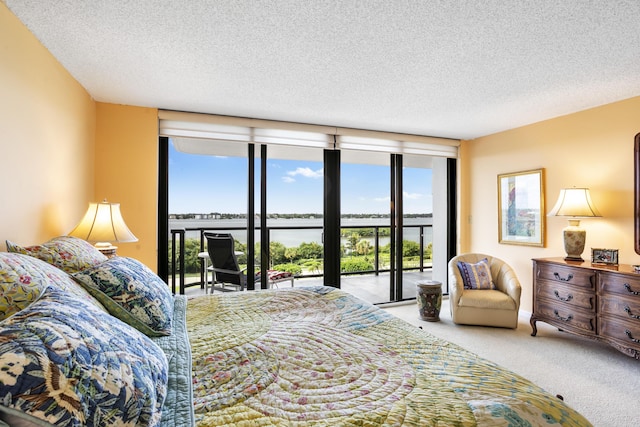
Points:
x=626 y=308
x=626 y=285
x=566 y=316
x=623 y=331
x=581 y=277
x=570 y=296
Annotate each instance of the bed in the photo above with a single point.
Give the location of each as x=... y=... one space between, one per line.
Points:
x=320 y=356
x=313 y=356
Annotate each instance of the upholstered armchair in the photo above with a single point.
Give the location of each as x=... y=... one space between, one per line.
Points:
x=486 y=307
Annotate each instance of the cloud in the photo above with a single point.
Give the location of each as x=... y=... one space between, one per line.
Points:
x=412 y=196
x=306 y=172
x=405 y=195
x=288 y=179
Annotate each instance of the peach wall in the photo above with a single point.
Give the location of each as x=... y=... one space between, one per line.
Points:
x=126 y=171
x=48 y=126
x=592 y=148
x=61 y=150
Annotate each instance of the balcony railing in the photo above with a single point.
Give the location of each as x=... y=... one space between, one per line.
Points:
x=178 y=238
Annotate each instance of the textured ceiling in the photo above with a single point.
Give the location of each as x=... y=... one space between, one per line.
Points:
x=457 y=69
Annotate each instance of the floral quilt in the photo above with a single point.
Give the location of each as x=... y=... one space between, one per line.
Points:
x=61 y=366
x=321 y=357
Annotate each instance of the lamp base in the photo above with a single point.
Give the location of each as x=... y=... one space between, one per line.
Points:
x=574 y=240
x=107 y=249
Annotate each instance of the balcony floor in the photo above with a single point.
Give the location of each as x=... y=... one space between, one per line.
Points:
x=369 y=287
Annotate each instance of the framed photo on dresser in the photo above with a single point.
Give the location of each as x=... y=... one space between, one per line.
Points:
x=604 y=256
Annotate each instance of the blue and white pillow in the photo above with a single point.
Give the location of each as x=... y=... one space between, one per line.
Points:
x=63 y=361
x=132 y=293
x=476 y=276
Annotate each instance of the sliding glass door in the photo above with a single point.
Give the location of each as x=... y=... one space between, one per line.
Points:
x=294 y=200
x=334 y=208
x=365 y=226
x=207 y=189
x=270 y=198
x=417 y=221
x=386 y=224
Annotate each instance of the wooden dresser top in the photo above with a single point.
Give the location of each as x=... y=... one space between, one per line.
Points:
x=622 y=268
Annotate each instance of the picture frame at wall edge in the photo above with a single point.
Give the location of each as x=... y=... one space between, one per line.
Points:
x=604 y=256
x=521 y=218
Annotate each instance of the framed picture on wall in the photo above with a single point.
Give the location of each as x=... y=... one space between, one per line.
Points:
x=521 y=218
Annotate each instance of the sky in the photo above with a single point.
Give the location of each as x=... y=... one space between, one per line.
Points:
x=206 y=184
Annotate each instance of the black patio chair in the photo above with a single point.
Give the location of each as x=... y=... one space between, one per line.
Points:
x=224 y=262
x=225 y=267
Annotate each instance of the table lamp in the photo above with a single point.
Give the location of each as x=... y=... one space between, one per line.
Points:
x=575 y=203
x=103 y=224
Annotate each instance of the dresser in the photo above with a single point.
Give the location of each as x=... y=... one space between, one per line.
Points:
x=601 y=302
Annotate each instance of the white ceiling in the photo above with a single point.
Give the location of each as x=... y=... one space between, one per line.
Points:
x=457 y=69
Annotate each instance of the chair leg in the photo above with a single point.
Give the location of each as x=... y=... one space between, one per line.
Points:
x=209 y=284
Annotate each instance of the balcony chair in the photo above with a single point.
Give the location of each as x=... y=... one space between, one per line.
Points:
x=483 y=293
x=225 y=267
x=224 y=262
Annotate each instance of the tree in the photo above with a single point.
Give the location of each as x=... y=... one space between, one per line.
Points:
x=241 y=247
x=191 y=261
x=291 y=254
x=311 y=250
x=410 y=248
x=294 y=269
x=363 y=247
x=428 y=252
x=355 y=265
x=276 y=252
x=352 y=241
x=314 y=265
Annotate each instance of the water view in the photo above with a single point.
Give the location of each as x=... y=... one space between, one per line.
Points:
x=293 y=238
x=296 y=244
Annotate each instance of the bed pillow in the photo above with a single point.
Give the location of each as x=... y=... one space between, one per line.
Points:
x=68 y=253
x=132 y=293
x=24 y=278
x=476 y=276
x=20 y=284
x=65 y=362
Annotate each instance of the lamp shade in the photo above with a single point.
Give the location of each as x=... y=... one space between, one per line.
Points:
x=103 y=223
x=575 y=202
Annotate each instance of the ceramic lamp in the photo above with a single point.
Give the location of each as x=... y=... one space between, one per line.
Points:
x=575 y=203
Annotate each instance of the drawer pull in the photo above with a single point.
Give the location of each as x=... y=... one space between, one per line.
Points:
x=628 y=332
x=568 y=298
x=563 y=279
x=628 y=310
x=564 y=319
x=628 y=288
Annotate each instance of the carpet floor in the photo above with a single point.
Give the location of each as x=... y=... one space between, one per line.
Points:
x=600 y=382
